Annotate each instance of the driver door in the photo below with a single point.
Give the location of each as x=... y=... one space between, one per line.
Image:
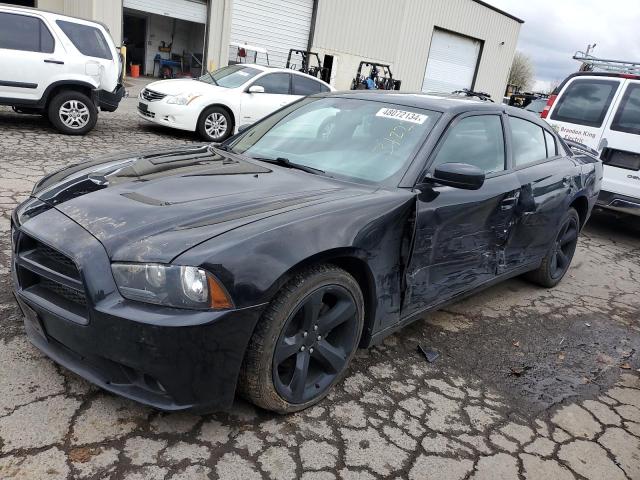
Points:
x=277 y=89
x=459 y=233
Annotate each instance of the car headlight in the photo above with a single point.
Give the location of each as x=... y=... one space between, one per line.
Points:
x=172 y=285
x=183 y=98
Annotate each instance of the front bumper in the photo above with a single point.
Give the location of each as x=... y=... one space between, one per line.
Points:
x=619 y=203
x=181 y=117
x=170 y=359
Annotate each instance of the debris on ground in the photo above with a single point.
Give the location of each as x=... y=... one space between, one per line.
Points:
x=430 y=354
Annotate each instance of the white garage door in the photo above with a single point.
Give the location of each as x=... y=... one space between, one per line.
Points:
x=452 y=62
x=190 y=10
x=276 y=25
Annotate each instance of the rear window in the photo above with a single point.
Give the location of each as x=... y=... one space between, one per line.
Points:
x=585 y=102
x=28 y=34
x=88 y=40
x=528 y=142
x=307 y=86
x=627 y=117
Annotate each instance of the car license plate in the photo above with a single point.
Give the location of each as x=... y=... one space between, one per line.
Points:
x=31 y=318
x=143 y=107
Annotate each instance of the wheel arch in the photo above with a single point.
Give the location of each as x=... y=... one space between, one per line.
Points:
x=581 y=205
x=73 y=85
x=226 y=108
x=353 y=262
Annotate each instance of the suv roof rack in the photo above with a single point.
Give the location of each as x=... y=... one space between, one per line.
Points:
x=589 y=63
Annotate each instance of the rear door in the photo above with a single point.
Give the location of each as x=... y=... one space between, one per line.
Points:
x=29 y=56
x=546 y=178
x=460 y=232
x=277 y=94
x=583 y=107
x=621 y=143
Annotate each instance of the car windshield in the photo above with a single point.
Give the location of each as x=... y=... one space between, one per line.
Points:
x=352 y=138
x=230 y=77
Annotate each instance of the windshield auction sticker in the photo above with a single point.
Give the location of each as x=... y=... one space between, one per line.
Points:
x=402 y=115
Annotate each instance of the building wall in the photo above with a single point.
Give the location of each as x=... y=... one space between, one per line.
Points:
x=218 y=34
x=399 y=33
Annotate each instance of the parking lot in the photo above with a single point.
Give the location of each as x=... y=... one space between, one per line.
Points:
x=530 y=383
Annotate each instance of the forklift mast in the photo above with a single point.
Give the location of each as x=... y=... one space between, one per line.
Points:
x=379 y=77
x=306 y=56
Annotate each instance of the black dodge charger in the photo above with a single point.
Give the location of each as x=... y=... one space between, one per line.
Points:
x=176 y=277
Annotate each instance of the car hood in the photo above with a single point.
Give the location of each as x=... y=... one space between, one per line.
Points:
x=155 y=205
x=184 y=85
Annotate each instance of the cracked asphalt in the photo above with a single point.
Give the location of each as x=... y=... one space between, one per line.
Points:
x=530 y=383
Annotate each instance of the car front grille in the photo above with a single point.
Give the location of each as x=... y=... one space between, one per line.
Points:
x=152 y=95
x=47 y=276
x=146 y=113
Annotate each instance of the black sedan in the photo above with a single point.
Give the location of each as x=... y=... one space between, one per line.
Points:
x=176 y=277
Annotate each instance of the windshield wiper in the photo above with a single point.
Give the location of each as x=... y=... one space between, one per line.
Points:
x=211 y=75
x=285 y=162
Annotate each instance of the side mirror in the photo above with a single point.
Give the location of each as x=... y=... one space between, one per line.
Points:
x=458 y=175
x=256 y=89
x=242 y=128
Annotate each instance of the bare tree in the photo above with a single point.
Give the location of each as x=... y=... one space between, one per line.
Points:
x=521 y=73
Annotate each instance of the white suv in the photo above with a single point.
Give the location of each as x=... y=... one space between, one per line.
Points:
x=57 y=65
x=602 y=111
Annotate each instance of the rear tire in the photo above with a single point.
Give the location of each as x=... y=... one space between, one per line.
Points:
x=305 y=340
x=215 y=124
x=72 y=113
x=557 y=261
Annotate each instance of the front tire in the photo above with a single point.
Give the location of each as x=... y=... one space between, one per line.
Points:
x=72 y=113
x=215 y=124
x=556 y=262
x=305 y=340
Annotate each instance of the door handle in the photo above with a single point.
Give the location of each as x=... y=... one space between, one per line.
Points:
x=509 y=202
x=53 y=60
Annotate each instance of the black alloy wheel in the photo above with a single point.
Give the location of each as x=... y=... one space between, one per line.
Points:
x=304 y=341
x=556 y=262
x=315 y=344
x=565 y=247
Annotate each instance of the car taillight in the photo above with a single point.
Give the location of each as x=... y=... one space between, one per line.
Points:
x=548 y=106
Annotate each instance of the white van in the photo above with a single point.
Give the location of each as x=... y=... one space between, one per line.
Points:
x=602 y=111
x=59 y=66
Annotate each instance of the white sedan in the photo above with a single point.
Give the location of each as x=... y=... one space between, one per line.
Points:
x=218 y=103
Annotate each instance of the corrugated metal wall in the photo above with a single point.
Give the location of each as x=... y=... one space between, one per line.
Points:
x=399 y=32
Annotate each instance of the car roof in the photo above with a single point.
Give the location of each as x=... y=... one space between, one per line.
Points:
x=557 y=90
x=278 y=69
x=437 y=102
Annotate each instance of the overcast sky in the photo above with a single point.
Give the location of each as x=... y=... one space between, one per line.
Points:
x=555 y=29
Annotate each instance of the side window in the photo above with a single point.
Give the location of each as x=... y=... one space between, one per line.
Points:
x=274 y=83
x=528 y=142
x=476 y=140
x=29 y=34
x=585 y=102
x=627 y=117
x=88 y=40
x=307 y=86
x=552 y=149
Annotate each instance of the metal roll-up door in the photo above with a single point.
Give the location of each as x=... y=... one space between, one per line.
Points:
x=190 y=10
x=276 y=25
x=452 y=62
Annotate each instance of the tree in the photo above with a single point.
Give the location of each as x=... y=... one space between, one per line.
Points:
x=521 y=73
